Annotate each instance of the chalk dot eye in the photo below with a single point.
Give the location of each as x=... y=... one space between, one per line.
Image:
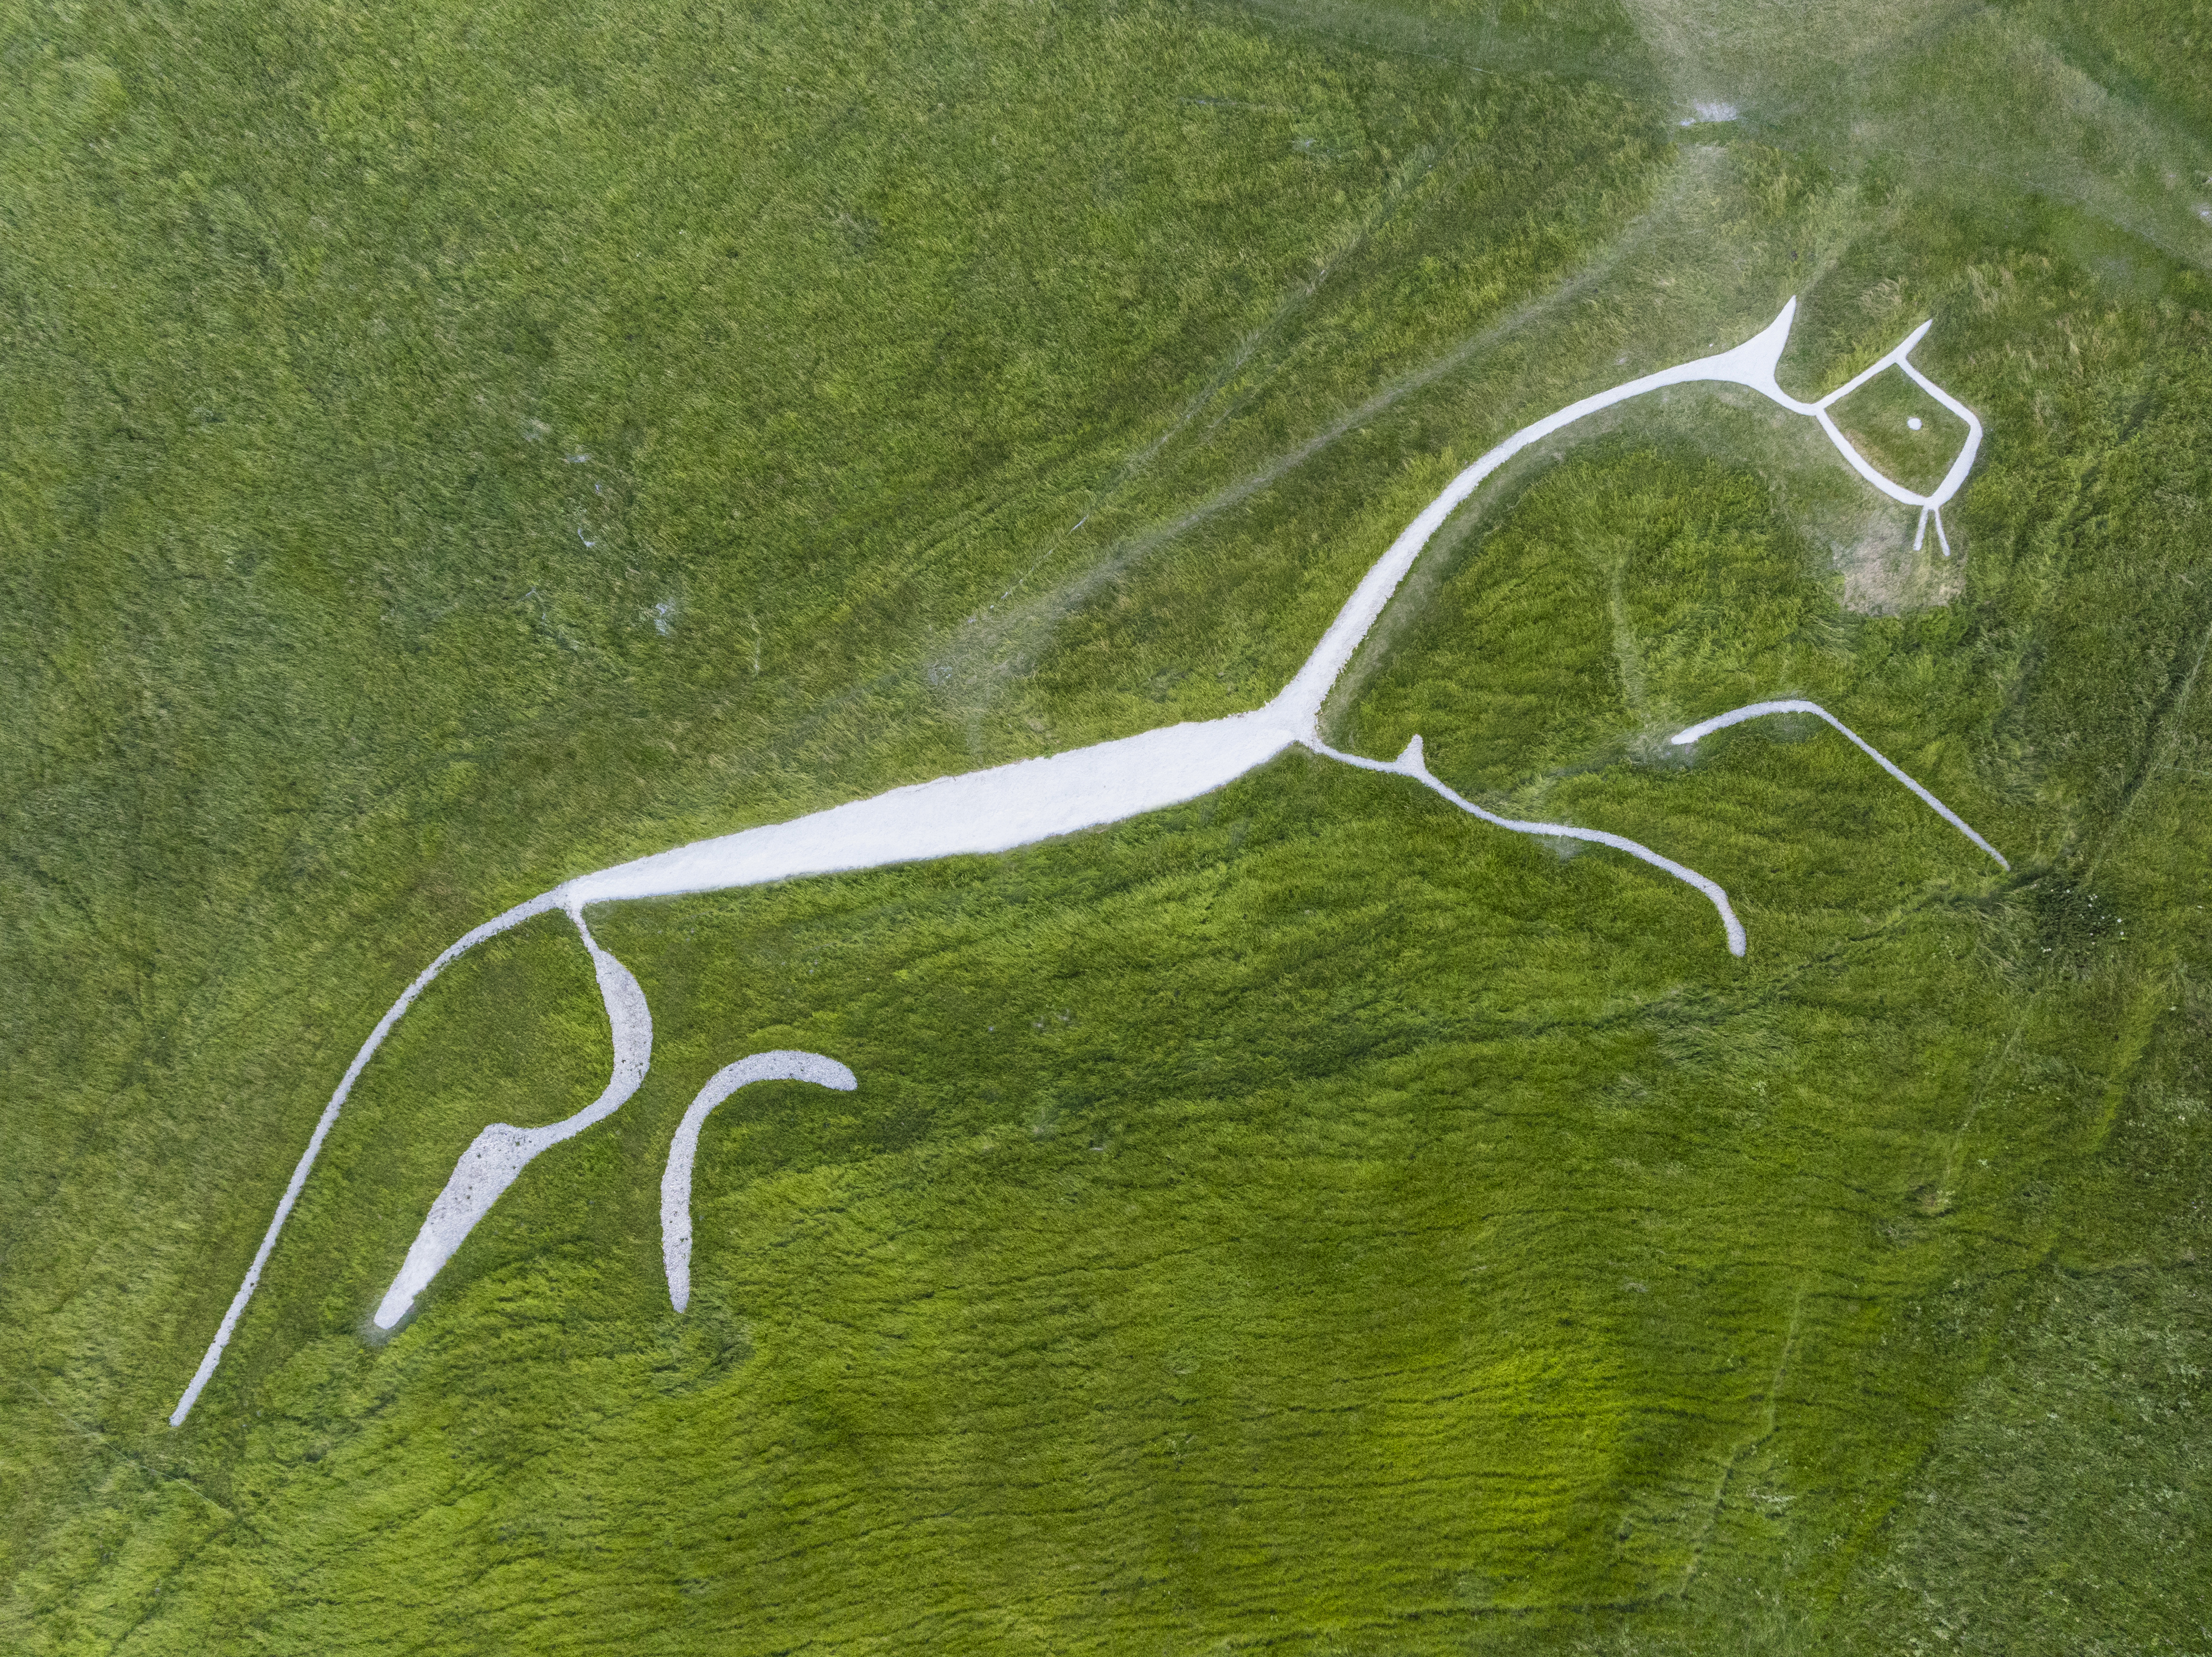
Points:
x=1912 y=423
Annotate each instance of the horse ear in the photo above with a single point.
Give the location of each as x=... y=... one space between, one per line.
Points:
x=1412 y=759
x=1753 y=362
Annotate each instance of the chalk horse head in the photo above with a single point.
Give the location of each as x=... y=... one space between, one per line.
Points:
x=1009 y=805
x=1760 y=378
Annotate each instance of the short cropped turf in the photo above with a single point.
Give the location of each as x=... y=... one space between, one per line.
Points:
x=451 y=448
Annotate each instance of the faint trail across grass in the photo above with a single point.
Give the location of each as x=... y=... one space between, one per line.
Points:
x=991 y=647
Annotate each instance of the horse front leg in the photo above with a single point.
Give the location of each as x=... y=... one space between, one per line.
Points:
x=500 y=1152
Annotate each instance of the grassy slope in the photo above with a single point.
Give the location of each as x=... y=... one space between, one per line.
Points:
x=1301 y=1217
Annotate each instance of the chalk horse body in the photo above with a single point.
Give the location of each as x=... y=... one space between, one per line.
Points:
x=1017 y=804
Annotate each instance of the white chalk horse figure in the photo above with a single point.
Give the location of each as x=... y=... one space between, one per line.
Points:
x=1017 y=804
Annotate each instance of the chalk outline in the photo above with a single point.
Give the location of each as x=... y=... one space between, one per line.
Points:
x=1413 y=763
x=783 y=1065
x=1761 y=710
x=1041 y=799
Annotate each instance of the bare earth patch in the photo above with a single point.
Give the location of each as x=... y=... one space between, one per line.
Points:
x=1884 y=576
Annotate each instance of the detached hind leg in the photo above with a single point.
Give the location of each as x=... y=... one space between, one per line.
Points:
x=785 y=1064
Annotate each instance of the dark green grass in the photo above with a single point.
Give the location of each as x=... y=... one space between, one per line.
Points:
x=2062 y=1508
x=1307 y=1217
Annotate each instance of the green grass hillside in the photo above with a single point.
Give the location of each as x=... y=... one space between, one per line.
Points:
x=448 y=449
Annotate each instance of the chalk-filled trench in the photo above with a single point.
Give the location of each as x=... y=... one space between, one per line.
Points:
x=1020 y=804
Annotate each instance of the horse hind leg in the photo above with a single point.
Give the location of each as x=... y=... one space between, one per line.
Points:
x=498 y=1154
x=783 y=1065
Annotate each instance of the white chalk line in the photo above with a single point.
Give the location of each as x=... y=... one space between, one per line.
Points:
x=502 y=1151
x=468 y=940
x=785 y=1064
x=1761 y=710
x=1413 y=763
x=1009 y=805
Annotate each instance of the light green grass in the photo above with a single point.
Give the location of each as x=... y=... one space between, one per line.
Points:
x=1878 y=420
x=1306 y=1218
